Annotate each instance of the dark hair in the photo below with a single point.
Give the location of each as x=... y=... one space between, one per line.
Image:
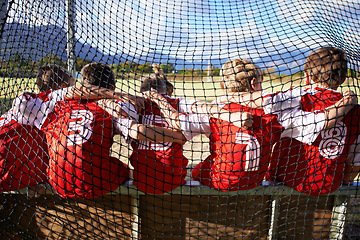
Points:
x=98 y=74
x=328 y=66
x=52 y=76
x=157 y=81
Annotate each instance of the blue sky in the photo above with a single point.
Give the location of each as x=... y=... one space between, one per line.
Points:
x=272 y=33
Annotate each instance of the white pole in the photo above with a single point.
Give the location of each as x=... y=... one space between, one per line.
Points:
x=70 y=37
x=208 y=73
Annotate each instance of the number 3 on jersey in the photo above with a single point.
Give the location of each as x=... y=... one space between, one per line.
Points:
x=252 y=154
x=79 y=127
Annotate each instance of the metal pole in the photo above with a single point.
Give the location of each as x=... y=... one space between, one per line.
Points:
x=3 y=15
x=70 y=37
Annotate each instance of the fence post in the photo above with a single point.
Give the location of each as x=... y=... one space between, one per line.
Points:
x=338 y=217
x=135 y=214
x=70 y=37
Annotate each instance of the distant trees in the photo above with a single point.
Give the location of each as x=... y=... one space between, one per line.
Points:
x=19 y=66
x=80 y=63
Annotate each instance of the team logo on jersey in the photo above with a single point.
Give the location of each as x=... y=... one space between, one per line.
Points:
x=159 y=121
x=333 y=141
x=252 y=154
x=79 y=130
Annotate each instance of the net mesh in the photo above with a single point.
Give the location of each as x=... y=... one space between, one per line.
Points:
x=81 y=167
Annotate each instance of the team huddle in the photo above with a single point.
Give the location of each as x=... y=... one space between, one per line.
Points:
x=306 y=138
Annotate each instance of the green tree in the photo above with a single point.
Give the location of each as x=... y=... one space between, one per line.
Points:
x=17 y=61
x=80 y=63
x=144 y=68
x=352 y=73
x=168 y=68
x=52 y=59
x=216 y=72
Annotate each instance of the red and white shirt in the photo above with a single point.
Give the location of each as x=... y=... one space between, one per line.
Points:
x=316 y=168
x=158 y=167
x=23 y=148
x=79 y=135
x=239 y=158
x=23 y=154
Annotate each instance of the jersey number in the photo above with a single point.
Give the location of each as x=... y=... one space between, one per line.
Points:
x=79 y=127
x=252 y=151
x=333 y=140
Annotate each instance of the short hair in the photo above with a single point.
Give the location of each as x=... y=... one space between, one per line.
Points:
x=236 y=75
x=157 y=81
x=52 y=76
x=328 y=66
x=98 y=74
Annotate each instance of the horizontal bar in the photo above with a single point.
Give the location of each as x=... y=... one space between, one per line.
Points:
x=267 y=188
x=196 y=188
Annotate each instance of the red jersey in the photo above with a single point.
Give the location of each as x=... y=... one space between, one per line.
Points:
x=317 y=168
x=239 y=158
x=80 y=135
x=23 y=154
x=158 y=167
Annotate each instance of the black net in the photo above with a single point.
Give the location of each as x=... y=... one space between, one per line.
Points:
x=179 y=119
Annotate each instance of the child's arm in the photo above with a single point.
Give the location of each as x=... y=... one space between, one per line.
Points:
x=170 y=114
x=271 y=102
x=140 y=131
x=337 y=112
x=251 y=100
x=96 y=93
x=306 y=126
x=91 y=92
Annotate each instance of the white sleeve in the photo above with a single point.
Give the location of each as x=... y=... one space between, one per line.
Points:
x=30 y=111
x=185 y=105
x=194 y=124
x=58 y=95
x=275 y=103
x=122 y=126
x=303 y=126
x=129 y=108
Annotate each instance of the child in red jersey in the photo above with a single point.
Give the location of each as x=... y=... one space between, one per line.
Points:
x=23 y=148
x=321 y=167
x=239 y=157
x=159 y=166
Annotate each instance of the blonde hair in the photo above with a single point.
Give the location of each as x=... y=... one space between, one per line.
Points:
x=158 y=81
x=236 y=75
x=328 y=66
x=52 y=76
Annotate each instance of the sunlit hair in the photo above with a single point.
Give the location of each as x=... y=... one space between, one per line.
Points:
x=236 y=75
x=158 y=81
x=98 y=74
x=328 y=66
x=52 y=76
